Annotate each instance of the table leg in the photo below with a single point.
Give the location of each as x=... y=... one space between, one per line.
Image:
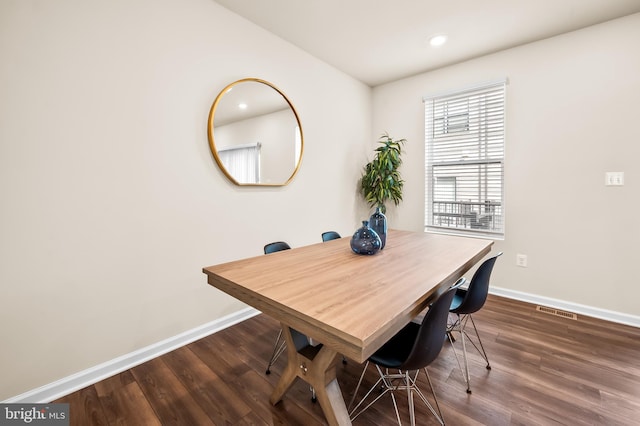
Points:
x=319 y=371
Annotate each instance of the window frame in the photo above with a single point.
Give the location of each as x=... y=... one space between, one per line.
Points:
x=482 y=135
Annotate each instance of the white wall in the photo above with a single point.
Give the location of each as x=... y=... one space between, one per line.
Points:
x=111 y=200
x=572 y=113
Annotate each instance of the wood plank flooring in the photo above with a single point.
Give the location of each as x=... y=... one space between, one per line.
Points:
x=546 y=370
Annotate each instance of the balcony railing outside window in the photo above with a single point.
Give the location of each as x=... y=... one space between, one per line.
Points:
x=468 y=215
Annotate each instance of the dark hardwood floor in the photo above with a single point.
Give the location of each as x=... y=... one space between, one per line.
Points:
x=546 y=370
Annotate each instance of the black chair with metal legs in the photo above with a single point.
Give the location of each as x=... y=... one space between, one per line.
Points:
x=413 y=348
x=300 y=339
x=279 y=345
x=466 y=302
x=330 y=235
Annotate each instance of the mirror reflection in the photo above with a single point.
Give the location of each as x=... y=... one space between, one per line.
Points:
x=255 y=134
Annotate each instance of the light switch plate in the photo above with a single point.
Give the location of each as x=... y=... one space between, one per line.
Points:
x=614 y=178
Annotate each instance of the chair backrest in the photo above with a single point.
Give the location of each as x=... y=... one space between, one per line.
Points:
x=432 y=332
x=277 y=246
x=478 y=289
x=330 y=235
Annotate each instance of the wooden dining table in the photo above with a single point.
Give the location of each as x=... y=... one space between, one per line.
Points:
x=348 y=303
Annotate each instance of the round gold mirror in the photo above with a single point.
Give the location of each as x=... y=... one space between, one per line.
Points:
x=255 y=134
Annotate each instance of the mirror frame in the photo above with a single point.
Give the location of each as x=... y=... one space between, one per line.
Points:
x=212 y=144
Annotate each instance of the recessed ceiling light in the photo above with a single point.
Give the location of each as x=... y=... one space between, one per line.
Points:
x=242 y=106
x=438 y=40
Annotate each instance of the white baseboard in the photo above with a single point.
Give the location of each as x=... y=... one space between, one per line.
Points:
x=590 y=311
x=82 y=379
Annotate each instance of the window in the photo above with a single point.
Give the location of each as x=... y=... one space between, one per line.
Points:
x=464 y=136
x=242 y=162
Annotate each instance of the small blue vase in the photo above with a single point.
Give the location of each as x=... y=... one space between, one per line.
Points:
x=365 y=240
x=378 y=222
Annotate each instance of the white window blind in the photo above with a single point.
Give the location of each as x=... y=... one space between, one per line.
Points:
x=465 y=137
x=242 y=162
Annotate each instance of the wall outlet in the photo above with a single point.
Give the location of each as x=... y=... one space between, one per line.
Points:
x=521 y=260
x=614 y=178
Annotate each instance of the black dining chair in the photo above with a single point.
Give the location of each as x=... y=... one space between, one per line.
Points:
x=413 y=348
x=330 y=235
x=466 y=302
x=276 y=246
x=280 y=344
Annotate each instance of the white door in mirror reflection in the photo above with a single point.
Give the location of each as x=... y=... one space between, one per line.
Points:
x=242 y=162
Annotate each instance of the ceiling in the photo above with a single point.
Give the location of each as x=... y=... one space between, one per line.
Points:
x=378 y=41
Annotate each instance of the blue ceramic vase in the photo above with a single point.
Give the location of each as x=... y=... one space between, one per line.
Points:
x=378 y=222
x=365 y=240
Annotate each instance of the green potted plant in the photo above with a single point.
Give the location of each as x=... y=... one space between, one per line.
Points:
x=381 y=179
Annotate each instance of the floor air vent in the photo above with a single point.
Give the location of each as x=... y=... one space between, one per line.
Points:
x=557 y=312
